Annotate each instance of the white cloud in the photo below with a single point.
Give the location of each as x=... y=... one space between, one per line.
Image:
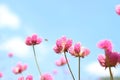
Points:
x=8 y=18
x=96 y=69
x=17 y=46
x=20 y=49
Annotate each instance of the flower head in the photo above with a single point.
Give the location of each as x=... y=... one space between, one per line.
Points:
x=101 y=59
x=110 y=59
x=105 y=44
x=77 y=48
x=29 y=77
x=62 y=45
x=46 y=76
x=62 y=61
x=33 y=40
x=19 y=68
x=117 y=9
x=79 y=51
x=21 y=78
x=85 y=51
x=10 y=55
x=1 y=74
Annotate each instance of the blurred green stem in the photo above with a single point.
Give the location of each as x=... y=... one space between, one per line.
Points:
x=36 y=60
x=69 y=66
x=111 y=75
x=78 y=68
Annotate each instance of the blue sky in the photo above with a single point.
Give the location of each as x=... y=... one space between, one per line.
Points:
x=82 y=20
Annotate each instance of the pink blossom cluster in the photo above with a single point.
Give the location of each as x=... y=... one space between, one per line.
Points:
x=60 y=62
x=65 y=45
x=62 y=45
x=29 y=77
x=33 y=40
x=111 y=58
x=79 y=51
x=19 y=68
x=46 y=76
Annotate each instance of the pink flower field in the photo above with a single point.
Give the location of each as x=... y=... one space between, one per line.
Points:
x=59 y=40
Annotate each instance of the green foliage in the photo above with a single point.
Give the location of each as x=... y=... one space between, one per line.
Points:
x=107 y=78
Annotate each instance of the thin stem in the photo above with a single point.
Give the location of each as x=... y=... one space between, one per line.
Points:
x=69 y=66
x=36 y=60
x=78 y=68
x=111 y=75
x=108 y=62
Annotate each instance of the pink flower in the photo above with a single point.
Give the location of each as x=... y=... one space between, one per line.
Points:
x=105 y=44
x=78 y=51
x=57 y=49
x=84 y=51
x=10 y=55
x=101 y=59
x=1 y=74
x=19 y=68
x=77 y=48
x=21 y=78
x=55 y=71
x=117 y=9
x=110 y=59
x=62 y=61
x=71 y=51
x=46 y=76
x=33 y=40
x=58 y=63
x=68 y=44
x=29 y=77
x=62 y=45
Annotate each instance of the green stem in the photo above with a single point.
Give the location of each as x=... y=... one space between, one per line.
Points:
x=69 y=66
x=78 y=68
x=111 y=75
x=36 y=60
x=108 y=63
